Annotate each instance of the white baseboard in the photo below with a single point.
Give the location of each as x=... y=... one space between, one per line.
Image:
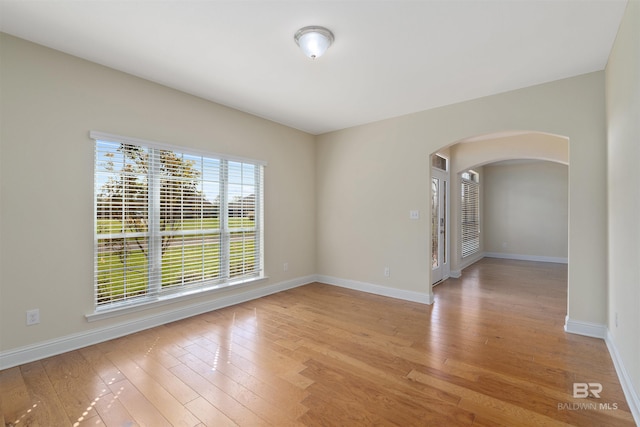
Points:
x=536 y=258
x=633 y=400
x=472 y=260
x=41 y=350
x=588 y=329
x=423 y=298
x=597 y=330
x=67 y=343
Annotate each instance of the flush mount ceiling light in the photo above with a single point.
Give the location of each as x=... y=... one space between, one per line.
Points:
x=313 y=40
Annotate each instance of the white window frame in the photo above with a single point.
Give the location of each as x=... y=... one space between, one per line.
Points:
x=155 y=294
x=469 y=207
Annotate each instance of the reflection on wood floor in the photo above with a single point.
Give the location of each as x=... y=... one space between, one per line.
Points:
x=491 y=351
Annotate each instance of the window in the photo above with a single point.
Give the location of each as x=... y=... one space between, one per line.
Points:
x=439 y=162
x=169 y=221
x=470 y=213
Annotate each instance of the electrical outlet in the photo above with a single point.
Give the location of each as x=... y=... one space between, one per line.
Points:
x=387 y=272
x=616 y=319
x=414 y=214
x=33 y=316
x=285 y=266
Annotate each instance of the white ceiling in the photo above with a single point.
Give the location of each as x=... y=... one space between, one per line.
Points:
x=389 y=58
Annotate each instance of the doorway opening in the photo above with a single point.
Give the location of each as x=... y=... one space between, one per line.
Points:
x=448 y=165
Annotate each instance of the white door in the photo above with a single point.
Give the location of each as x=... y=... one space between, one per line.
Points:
x=439 y=226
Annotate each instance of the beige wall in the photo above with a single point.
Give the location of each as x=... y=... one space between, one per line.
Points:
x=526 y=209
x=50 y=101
x=623 y=136
x=370 y=176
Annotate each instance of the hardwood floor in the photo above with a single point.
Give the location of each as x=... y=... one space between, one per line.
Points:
x=491 y=351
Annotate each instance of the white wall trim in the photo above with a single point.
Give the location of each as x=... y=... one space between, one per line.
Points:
x=470 y=260
x=41 y=350
x=67 y=343
x=597 y=330
x=588 y=329
x=475 y=258
x=423 y=298
x=536 y=258
x=633 y=400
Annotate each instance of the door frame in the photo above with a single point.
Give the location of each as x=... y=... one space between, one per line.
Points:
x=445 y=272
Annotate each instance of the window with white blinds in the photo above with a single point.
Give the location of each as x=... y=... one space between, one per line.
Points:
x=470 y=213
x=170 y=221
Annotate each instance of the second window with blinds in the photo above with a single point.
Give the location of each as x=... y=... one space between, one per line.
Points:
x=170 y=221
x=470 y=190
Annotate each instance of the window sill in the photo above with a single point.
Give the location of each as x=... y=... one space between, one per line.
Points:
x=159 y=301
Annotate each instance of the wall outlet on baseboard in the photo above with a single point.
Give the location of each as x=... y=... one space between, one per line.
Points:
x=387 y=272
x=285 y=266
x=33 y=317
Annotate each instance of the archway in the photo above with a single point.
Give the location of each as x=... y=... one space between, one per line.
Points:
x=477 y=151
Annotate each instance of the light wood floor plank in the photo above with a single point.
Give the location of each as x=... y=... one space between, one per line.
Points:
x=70 y=386
x=282 y=395
x=273 y=414
x=226 y=404
x=141 y=409
x=209 y=414
x=153 y=391
x=113 y=413
x=46 y=408
x=159 y=372
x=14 y=395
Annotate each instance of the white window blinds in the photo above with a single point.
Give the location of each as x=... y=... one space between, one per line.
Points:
x=169 y=221
x=470 y=213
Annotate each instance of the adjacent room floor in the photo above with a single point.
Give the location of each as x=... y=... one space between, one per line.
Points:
x=490 y=351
